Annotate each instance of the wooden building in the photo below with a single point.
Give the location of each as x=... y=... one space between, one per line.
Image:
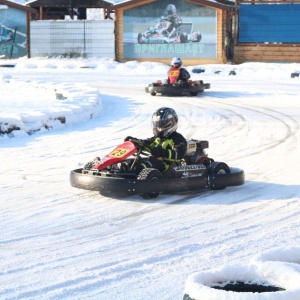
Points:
x=64 y=29
x=200 y=30
x=144 y=31
x=58 y=9
x=267 y=31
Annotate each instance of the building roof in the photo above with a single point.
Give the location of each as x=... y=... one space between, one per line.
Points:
x=115 y=4
x=18 y=6
x=70 y=3
x=221 y=4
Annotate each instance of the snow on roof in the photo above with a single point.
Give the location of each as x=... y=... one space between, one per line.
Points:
x=17 y=5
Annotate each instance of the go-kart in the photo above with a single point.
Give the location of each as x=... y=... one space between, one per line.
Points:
x=172 y=86
x=159 y=34
x=115 y=173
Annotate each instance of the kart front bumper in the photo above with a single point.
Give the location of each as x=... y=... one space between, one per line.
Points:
x=113 y=186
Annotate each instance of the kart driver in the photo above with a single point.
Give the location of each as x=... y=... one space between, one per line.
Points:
x=171 y=16
x=184 y=75
x=168 y=145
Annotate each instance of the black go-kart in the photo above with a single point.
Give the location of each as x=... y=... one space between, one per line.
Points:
x=114 y=174
x=172 y=86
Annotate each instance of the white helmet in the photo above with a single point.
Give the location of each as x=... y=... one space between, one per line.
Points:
x=176 y=62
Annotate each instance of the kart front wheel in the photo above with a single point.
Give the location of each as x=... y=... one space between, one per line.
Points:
x=217 y=168
x=149 y=174
x=140 y=38
x=153 y=93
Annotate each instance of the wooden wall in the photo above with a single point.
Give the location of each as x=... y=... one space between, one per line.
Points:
x=221 y=20
x=263 y=52
x=266 y=53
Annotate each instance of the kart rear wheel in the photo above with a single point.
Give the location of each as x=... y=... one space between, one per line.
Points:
x=218 y=168
x=198 y=36
x=149 y=174
x=183 y=37
x=194 y=93
x=153 y=93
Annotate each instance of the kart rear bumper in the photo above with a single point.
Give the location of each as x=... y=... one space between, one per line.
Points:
x=176 y=89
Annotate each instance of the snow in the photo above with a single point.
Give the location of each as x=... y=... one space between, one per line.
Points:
x=59 y=242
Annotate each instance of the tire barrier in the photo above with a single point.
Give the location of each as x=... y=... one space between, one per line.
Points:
x=295 y=74
x=198 y=70
x=273 y=275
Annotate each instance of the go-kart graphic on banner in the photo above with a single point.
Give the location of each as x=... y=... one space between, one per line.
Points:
x=159 y=34
x=12 y=32
x=162 y=29
x=5 y=34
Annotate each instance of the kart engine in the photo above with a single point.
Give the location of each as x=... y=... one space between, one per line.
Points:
x=195 y=153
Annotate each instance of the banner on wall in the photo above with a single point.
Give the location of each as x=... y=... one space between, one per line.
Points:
x=164 y=29
x=12 y=32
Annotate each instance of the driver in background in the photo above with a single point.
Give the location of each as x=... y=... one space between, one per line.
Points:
x=167 y=144
x=184 y=75
x=171 y=16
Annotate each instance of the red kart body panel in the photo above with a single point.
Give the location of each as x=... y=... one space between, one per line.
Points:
x=173 y=75
x=119 y=154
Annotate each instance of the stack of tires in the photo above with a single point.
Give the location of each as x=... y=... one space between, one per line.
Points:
x=272 y=275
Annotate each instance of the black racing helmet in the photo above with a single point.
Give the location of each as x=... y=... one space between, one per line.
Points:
x=164 y=122
x=170 y=10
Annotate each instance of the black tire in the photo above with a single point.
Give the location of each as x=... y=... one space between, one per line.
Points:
x=153 y=94
x=217 y=168
x=199 y=37
x=149 y=174
x=89 y=165
x=139 y=38
x=194 y=93
x=183 y=37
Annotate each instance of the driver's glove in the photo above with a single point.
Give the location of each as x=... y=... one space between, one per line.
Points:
x=159 y=151
x=128 y=138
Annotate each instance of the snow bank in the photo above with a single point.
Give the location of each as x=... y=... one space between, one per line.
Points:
x=35 y=106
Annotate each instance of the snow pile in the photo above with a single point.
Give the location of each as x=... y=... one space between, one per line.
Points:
x=286 y=255
x=278 y=269
x=105 y=65
x=35 y=106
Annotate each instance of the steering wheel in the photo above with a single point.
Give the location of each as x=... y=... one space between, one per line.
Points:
x=141 y=145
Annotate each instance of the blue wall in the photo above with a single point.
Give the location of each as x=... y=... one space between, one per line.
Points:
x=273 y=23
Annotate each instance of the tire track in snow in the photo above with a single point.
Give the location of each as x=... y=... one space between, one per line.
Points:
x=290 y=125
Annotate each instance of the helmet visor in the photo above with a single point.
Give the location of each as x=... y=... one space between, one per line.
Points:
x=160 y=127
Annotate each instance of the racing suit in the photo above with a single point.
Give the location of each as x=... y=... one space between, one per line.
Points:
x=174 y=25
x=165 y=152
x=184 y=76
